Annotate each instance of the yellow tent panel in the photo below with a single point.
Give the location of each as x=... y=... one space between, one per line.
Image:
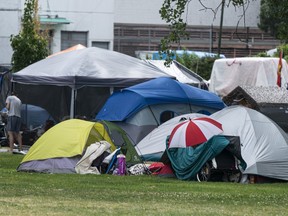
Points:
x=67 y=139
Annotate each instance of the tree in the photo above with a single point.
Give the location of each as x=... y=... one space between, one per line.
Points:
x=29 y=45
x=274 y=18
x=171 y=12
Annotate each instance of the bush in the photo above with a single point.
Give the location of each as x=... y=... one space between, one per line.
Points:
x=202 y=66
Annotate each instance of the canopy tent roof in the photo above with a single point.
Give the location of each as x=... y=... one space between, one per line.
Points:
x=156 y=91
x=76 y=47
x=88 y=67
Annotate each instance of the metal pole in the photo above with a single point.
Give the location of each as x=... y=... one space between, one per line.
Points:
x=211 y=39
x=72 y=104
x=220 y=30
x=247 y=38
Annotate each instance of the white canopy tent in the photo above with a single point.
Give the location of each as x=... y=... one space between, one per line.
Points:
x=46 y=83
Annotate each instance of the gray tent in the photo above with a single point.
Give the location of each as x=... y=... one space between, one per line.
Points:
x=272 y=101
x=80 y=81
x=264 y=145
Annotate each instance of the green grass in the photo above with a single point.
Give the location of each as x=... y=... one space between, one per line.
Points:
x=74 y=194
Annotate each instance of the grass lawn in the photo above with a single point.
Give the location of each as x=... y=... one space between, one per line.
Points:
x=74 y=194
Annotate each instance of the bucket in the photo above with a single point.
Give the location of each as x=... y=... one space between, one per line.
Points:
x=121 y=161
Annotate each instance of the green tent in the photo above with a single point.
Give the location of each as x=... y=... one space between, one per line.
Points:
x=120 y=139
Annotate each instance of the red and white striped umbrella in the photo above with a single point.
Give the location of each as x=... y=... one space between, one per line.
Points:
x=194 y=132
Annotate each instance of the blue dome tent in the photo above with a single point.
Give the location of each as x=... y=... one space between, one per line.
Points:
x=145 y=105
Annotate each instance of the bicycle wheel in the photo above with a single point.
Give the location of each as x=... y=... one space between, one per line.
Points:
x=4 y=142
x=205 y=173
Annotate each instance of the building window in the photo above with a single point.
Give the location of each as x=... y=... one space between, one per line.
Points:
x=72 y=38
x=100 y=44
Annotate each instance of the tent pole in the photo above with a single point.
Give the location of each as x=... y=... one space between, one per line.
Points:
x=154 y=116
x=72 y=103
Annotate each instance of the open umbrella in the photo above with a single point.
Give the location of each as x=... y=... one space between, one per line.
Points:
x=193 y=132
x=153 y=145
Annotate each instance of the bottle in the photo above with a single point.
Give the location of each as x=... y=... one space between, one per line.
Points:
x=121 y=161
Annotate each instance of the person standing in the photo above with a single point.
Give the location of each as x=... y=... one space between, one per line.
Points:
x=13 y=104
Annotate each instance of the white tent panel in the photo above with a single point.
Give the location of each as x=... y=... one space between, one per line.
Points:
x=182 y=74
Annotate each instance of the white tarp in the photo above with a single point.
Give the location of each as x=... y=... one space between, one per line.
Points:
x=92 y=152
x=264 y=145
x=182 y=74
x=229 y=73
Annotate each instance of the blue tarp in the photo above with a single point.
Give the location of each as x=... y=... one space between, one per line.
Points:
x=125 y=103
x=200 y=54
x=34 y=116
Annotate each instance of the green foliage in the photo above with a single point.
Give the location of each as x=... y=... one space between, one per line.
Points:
x=274 y=18
x=29 y=45
x=202 y=66
x=172 y=13
x=74 y=194
x=262 y=54
x=284 y=49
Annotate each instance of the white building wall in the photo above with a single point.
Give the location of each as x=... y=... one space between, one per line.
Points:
x=147 y=12
x=94 y=16
x=98 y=16
x=10 y=17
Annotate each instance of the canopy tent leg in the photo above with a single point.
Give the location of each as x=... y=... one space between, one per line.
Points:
x=111 y=90
x=72 y=104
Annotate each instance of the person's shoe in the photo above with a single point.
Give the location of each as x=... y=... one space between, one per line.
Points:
x=23 y=152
